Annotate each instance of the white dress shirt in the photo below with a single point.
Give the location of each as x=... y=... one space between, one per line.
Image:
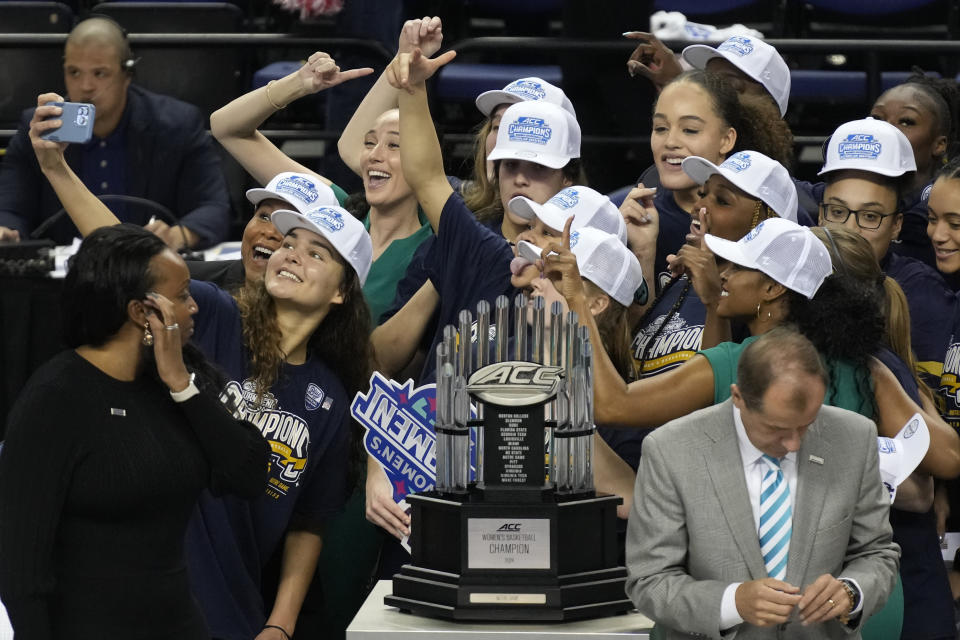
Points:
x=754 y=468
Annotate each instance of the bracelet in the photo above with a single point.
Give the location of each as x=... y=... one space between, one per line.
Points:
x=844 y=618
x=278 y=108
x=281 y=629
x=186 y=393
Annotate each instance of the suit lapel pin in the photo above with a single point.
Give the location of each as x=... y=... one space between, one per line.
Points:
x=816 y=459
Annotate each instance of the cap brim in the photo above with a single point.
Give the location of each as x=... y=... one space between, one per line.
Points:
x=698 y=55
x=528 y=251
x=728 y=250
x=488 y=100
x=285 y=220
x=256 y=196
x=545 y=159
x=841 y=165
x=699 y=169
x=523 y=207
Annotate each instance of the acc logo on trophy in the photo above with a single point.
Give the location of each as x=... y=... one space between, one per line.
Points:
x=515 y=383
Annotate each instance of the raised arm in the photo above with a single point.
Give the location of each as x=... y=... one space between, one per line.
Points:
x=425 y=33
x=895 y=408
x=84 y=208
x=420 y=149
x=395 y=341
x=643 y=227
x=235 y=125
x=650 y=402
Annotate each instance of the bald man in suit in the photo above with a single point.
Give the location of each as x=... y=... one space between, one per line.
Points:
x=704 y=556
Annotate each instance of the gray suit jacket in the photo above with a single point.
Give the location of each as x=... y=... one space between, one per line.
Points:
x=691 y=530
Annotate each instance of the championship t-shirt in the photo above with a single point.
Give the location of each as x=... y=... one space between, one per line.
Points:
x=672 y=332
x=304 y=418
x=931 y=304
x=948 y=391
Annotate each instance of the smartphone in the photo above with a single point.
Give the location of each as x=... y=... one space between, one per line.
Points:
x=77 y=123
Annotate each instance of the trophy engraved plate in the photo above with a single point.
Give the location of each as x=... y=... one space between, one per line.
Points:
x=513 y=438
x=497 y=543
x=508 y=598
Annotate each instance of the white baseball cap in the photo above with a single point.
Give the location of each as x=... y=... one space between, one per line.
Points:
x=869 y=145
x=302 y=190
x=751 y=171
x=588 y=208
x=539 y=132
x=754 y=57
x=532 y=88
x=784 y=250
x=337 y=225
x=602 y=259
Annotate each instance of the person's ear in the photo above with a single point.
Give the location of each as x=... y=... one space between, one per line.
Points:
x=940 y=147
x=736 y=397
x=137 y=312
x=772 y=290
x=897 y=225
x=728 y=141
x=598 y=304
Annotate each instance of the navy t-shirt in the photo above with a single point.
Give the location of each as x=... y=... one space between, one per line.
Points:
x=948 y=391
x=913 y=241
x=931 y=304
x=655 y=350
x=927 y=604
x=304 y=418
x=467 y=263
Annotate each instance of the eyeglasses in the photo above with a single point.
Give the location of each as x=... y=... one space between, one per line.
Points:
x=865 y=219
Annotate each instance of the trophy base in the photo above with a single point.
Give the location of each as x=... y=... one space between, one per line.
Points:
x=480 y=560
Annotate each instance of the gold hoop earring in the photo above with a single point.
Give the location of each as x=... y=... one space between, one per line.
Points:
x=769 y=315
x=147 y=336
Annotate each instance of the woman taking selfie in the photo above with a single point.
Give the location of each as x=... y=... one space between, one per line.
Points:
x=294 y=349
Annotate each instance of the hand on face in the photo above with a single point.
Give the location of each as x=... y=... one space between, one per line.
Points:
x=168 y=339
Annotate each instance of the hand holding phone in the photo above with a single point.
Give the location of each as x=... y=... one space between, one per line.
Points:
x=77 y=124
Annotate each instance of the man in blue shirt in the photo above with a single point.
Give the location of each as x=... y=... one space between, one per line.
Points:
x=143 y=144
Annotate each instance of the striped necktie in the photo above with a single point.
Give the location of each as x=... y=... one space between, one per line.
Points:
x=775 y=519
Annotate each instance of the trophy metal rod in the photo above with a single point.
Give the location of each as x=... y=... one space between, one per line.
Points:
x=483 y=359
x=587 y=461
x=444 y=416
x=539 y=307
x=520 y=327
x=503 y=324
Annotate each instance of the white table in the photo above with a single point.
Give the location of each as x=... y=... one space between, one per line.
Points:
x=376 y=620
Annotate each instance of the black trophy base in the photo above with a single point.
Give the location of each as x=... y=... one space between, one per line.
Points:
x=490 y=561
